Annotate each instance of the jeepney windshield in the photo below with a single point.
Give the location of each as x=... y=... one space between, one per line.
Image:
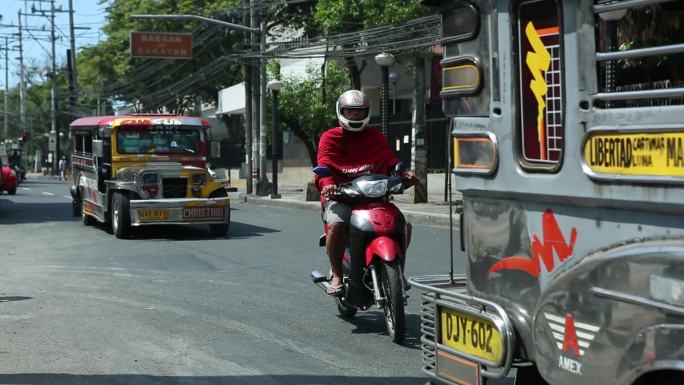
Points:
x=158 y=140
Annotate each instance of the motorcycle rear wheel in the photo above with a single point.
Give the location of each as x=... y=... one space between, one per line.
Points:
x=395 y=318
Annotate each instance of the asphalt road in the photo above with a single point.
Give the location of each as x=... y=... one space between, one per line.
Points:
x=175 y=306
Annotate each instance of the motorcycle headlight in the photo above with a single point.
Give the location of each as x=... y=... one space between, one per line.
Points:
x=373 y=189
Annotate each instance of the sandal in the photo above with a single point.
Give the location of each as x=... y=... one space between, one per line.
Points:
x=335 y=289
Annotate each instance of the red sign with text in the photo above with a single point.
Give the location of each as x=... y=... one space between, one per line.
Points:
x=161 y=45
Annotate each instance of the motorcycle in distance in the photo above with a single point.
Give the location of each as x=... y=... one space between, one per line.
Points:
x=373 y=262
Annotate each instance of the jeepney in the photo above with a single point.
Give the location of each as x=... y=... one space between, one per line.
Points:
x=571 y=167
x=138 y=170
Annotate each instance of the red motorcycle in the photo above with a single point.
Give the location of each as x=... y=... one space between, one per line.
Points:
x=373 y=263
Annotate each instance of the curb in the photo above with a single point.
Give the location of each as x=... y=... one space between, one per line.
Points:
x=281 y=202
x=415 y=217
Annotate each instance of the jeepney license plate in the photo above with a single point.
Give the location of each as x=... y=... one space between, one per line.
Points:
x=204 y=212
x=471 y=335
x=153 y=214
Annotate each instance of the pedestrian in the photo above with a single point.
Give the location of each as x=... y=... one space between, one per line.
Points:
x=62 y=168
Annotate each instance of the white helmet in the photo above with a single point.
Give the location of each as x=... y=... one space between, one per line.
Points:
x=353 y=99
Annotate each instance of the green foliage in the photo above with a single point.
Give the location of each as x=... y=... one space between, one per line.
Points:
x=307 y=104
x=661 y=24
x=336 y=16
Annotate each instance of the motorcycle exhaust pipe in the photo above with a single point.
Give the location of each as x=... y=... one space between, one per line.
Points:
x=320 y=280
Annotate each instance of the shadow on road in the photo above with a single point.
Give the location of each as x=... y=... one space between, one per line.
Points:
x=32 y=212
x=134 y=379
x=13 y=298
x=374 y=323
x=238 y=230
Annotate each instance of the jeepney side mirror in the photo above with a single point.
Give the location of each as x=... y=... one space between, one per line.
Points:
x=98 y=148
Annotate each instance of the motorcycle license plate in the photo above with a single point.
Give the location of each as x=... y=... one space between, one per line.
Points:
x=471 y=335
x=153 y=214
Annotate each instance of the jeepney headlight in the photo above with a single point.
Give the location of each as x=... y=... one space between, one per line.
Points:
x=150 y=178
x=199 y=178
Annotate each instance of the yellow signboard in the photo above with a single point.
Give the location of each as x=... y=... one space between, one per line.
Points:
x=643 y=154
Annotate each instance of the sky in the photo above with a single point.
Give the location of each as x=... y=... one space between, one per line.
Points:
x=37 y=49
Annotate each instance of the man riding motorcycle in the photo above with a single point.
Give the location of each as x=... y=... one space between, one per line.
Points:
x=351 y=150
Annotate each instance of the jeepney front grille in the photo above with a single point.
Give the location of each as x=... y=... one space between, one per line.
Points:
x=427 y=331
x=175 y=187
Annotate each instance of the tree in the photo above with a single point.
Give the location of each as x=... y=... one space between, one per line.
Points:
x=307 y=104
x=337 y=16
x=162 y=83
x=654 y=25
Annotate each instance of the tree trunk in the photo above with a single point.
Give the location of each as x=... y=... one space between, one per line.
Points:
x=353 y=72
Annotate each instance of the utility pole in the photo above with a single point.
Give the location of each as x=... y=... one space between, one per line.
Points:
x=72 y=44
x=53 y=91
x=72 y=82
x=6 y=88
x=248 y=104
x=262 y=113
x=254 y=16
x=22 y=82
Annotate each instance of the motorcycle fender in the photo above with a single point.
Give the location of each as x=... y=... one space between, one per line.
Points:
x=386 y=248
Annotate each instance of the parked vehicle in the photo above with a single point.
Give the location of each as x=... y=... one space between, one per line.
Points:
x=145 y=169
x=569 y=154
x=373 y=263
x=9 y=180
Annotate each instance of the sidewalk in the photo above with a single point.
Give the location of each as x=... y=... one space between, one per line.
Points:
x=433 y=213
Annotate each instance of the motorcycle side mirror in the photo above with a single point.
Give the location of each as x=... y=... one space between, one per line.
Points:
x=322 y=170
x=399 y=168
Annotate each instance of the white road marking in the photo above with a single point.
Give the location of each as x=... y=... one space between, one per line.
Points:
x=26 y=188
x=48 y=193
x=66 y=196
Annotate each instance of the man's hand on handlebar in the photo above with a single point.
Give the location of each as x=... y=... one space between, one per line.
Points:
x=330 y=191
x=409 y=178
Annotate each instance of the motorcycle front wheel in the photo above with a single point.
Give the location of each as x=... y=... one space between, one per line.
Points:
x=395 y=319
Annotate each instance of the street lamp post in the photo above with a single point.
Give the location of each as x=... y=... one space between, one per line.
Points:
x=384 y=60
x=275 y=86
x=393 y=77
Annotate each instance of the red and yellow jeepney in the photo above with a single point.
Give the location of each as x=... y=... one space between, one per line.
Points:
x=145 y=169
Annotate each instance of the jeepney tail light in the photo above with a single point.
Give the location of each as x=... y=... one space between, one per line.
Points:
x=474 y=152
x=151 y=190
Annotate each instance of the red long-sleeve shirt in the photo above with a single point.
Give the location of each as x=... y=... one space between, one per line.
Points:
x=352 y=154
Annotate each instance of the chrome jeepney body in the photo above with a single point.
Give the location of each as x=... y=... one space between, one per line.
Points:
x=574 y=238
x=152 y=187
